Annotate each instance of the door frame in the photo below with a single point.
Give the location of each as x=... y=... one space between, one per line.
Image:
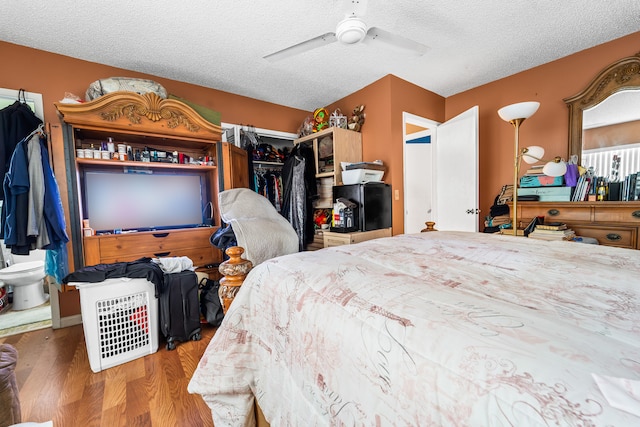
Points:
x=422 y=150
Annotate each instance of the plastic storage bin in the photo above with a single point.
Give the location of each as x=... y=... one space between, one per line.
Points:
x=120 y=320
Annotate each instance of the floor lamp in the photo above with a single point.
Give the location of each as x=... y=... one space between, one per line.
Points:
x=516 y=114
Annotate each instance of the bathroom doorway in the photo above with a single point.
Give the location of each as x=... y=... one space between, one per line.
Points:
x=14 y=321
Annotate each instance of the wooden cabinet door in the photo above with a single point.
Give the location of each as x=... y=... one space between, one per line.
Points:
x=236 y=166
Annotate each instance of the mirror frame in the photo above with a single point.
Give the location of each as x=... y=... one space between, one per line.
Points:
x=621 y=75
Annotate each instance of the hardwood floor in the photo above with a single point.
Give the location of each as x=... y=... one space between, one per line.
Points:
x=56 y=383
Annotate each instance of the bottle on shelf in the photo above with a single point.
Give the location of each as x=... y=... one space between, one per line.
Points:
x=602 y=190
x=146 y=155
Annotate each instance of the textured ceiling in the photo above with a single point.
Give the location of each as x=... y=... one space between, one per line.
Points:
x=220 y=44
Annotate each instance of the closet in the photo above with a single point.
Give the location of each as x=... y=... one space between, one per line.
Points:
x=266 y=152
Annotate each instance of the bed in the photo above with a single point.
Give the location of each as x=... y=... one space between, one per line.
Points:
x=432 y=329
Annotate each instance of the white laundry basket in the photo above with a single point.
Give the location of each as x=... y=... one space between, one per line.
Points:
x=120 y=320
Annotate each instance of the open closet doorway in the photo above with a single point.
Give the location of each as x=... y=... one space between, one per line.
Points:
x=441 y=172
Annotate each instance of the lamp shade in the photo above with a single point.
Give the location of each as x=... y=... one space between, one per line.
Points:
x=532 y=154
x=521 y=110
x=554 y=168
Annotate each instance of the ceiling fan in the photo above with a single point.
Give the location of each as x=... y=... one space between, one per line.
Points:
x=351 y=30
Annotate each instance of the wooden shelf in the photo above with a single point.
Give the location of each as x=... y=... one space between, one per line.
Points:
x=262 y=162
x=346 y=146
x=325 y=175
x=149 y=165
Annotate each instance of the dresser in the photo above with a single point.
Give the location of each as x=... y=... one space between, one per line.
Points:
x=611 y=223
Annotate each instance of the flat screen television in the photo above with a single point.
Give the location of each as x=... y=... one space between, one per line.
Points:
x=116 y=200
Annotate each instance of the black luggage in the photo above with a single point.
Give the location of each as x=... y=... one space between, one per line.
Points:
x=180 y=308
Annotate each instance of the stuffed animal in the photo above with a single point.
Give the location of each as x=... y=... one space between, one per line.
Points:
x=306 y=128
x=357 y=119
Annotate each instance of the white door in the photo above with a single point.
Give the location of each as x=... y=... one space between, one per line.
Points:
x=456 y=179
x=441 y=172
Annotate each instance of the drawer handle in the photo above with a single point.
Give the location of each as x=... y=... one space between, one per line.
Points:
x=161 y=254
x=553 y=212
x=159 y=235
x=614 y=237
x=635 y=214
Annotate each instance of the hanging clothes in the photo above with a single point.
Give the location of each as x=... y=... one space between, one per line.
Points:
x=299 y=192
x=16 y=202
x=37 y=202
x=53 y=211
x=35 y=222
x=248 y=141
x=17 y=121
x=268 y=183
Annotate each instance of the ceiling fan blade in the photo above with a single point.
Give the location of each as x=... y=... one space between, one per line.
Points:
x=302 y=47
x=394 y=41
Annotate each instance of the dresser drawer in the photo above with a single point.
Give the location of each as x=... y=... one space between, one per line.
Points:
x=623 y=237
x=153 y=242
x=200 y=256
x=336 y=240
x=627 y=214
x=332 y=238
x=192 y=242
x=557 y=213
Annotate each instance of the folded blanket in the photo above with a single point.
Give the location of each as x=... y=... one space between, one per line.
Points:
x=259 y=228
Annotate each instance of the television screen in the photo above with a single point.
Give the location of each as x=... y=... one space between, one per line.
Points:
x=130 y=201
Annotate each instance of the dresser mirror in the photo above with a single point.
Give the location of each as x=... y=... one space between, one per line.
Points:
x=604 y=120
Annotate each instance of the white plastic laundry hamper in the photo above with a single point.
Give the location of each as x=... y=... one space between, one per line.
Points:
x=120 y=320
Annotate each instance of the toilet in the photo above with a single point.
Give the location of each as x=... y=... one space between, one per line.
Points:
x=25 y=275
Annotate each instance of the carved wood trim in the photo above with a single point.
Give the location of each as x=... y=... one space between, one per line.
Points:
x=623 y=74
x=234 y=270
x=146 y=113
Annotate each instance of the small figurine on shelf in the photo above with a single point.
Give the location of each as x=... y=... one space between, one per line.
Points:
x=357 y=119
x=321 y=118
x=337 y=119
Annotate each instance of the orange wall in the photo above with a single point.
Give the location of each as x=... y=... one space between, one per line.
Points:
x=548 y=84
x=52 y=75
x=385 y=100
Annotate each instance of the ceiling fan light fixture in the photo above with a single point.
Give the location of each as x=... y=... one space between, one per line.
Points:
x=351 y=30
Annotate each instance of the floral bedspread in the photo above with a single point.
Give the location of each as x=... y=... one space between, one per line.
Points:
x=430 y=329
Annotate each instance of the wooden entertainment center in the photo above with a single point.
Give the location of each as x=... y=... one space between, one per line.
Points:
x=141 y=121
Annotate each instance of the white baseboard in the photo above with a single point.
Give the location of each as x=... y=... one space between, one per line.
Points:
x=65 y=322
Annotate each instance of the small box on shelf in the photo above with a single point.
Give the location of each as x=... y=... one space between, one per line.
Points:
x=548 y=194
